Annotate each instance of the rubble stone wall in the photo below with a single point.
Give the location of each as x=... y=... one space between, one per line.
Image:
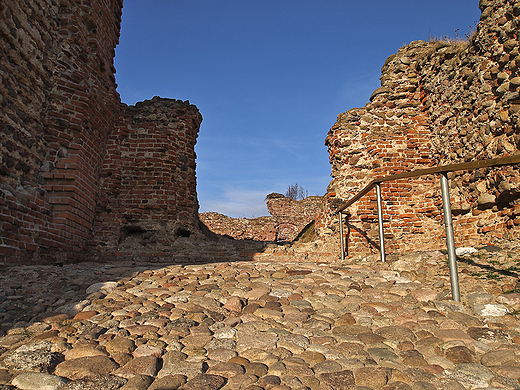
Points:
x=439 y=103
x=288 y=219
x=256 y=229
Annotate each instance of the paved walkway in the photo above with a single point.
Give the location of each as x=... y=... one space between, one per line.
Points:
x=263 y=325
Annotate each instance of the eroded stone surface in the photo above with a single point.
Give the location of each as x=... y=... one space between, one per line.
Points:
x=293 y=325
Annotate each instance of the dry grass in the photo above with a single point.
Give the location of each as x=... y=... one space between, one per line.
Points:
x=459 y=42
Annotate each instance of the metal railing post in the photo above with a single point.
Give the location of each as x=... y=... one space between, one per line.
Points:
x=450 y=240
x=442 y=170
x=380 y=222
x=341 y=236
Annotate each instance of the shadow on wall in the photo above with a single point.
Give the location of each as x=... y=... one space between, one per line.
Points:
x=373 y=242
x=183 y=246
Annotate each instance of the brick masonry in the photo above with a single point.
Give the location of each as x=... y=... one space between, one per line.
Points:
x=287 y=220
x=439 y=103
x=83 y=174
x=58 y=106
x=68 y=144
x=147 y=191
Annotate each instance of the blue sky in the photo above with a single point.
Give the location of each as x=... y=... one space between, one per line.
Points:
x=269 y=77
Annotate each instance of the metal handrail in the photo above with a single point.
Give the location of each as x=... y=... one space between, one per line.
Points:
x=443 y=171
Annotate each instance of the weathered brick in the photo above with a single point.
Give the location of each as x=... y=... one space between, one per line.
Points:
x=438 y=121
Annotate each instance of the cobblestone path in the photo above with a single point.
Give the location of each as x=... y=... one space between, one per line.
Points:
x=264 y=325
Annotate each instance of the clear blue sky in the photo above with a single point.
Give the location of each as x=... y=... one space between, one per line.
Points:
x=270 y=78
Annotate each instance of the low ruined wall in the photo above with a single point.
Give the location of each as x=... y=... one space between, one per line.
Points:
x=439 y=103
x=257 y=229
x=288 y=218
x=283 y=207
x=148 y=192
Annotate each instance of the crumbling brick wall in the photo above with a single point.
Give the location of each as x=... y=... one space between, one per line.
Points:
x=288 y=219
x=64 y=133
x=57 y=108
x=79 y=170
x=148 y=190
x=257 y=229
x=439 y=103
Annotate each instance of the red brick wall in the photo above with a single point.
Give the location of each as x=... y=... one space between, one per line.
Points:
x=148 y=193
x=439 y=103
x=288 y=218
x=387 y=136
x=257 y=229
x=79 y=170
x=58 y=106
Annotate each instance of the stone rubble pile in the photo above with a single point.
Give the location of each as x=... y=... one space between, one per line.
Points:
x=265 y=325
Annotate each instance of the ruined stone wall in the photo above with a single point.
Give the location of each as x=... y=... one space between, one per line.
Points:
x=148 y=193
x=58 y=105
x=473 y=102
x=439 y=103
x=280 y=206
x=257 y=229
x=288 y=218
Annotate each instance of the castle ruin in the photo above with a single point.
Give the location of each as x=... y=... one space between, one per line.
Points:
x=83 y=174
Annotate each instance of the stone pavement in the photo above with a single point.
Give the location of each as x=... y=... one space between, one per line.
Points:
x=264 y=325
